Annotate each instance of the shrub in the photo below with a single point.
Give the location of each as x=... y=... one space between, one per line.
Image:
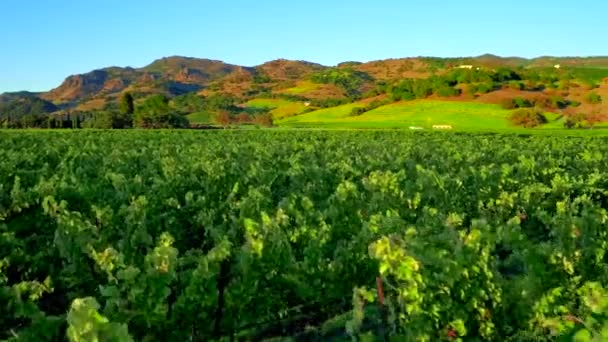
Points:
x=588 y=84
x=520 y=102
x=593 y=98
x=563 y=84
x=447 y=91
x=574 y=121
x=471 y=89
x=242 y=118
x=107 y=120
x=358 y=111
x=507 y=104
x=595 y=117
x=517 y=102
x=536 y=86
x=167 y=120
x=264 y=120
x=516 y=85
x=223 y=118
x=551 y=85
x=540 y=102
x=558 y=102
x=484 y=88
x=329 y=102
x=528 y=117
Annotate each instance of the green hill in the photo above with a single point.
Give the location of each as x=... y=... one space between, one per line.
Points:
x=279 y=108
x=201 y=118
x=420 y=113
x=474 y=91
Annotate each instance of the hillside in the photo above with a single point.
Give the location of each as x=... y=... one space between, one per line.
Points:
x=204 y=88
x=8 y=97
x=170 y=75
x=421 y=113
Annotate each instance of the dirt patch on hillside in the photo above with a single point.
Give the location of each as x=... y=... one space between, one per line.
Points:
x=322 y=91
x=95 y=104
x=282 y=69
x=395 y=68
x=501 y=95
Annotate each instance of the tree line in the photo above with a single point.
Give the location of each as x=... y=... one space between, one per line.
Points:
x=156 y=111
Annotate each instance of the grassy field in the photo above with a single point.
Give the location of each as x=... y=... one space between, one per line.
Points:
x=423 y=113
x=200 y=118
x=301 y=88
x=593 y=74
x=280 y=108
x=462 y=116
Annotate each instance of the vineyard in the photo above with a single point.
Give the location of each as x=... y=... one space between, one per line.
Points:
x=302 y=235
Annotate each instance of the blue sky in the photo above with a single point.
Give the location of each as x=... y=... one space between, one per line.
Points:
x=44 y=41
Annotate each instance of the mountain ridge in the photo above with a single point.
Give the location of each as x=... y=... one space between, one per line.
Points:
x=178 y=75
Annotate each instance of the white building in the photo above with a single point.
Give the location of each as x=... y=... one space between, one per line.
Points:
x=442 y=127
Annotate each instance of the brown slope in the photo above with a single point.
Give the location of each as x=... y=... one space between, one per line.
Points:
x=190 y=70
x=77 y=87
x=170 y=75
x=237 y=83
x=391 y=69
x=283 y=69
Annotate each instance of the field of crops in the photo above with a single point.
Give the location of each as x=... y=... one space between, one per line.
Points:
x=300 y=235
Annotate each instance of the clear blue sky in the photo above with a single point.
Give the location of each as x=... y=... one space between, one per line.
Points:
x=43 y=41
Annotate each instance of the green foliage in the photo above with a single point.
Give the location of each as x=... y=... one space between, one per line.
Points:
x=593 y=98
x=517 y=102
x=481 y=88
x=435 y=63
x=347 y=78
x=155 y=112
x=107 y=120
x=478 y=81
x=24 y=112
x=423 y=113
x=328 y=103
x=155 y=105
x=356 y=111
x=86 y=324
x=169 y=120
x=259 y=77
x=126 y=104
x=528 y=117
x=410 y=89
x=559 y=102
x=189 y=103
x=575 y=103
x=506 y=75
x=588 y=74
x=179 y=236
x=447 y=91
x=217 y=102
